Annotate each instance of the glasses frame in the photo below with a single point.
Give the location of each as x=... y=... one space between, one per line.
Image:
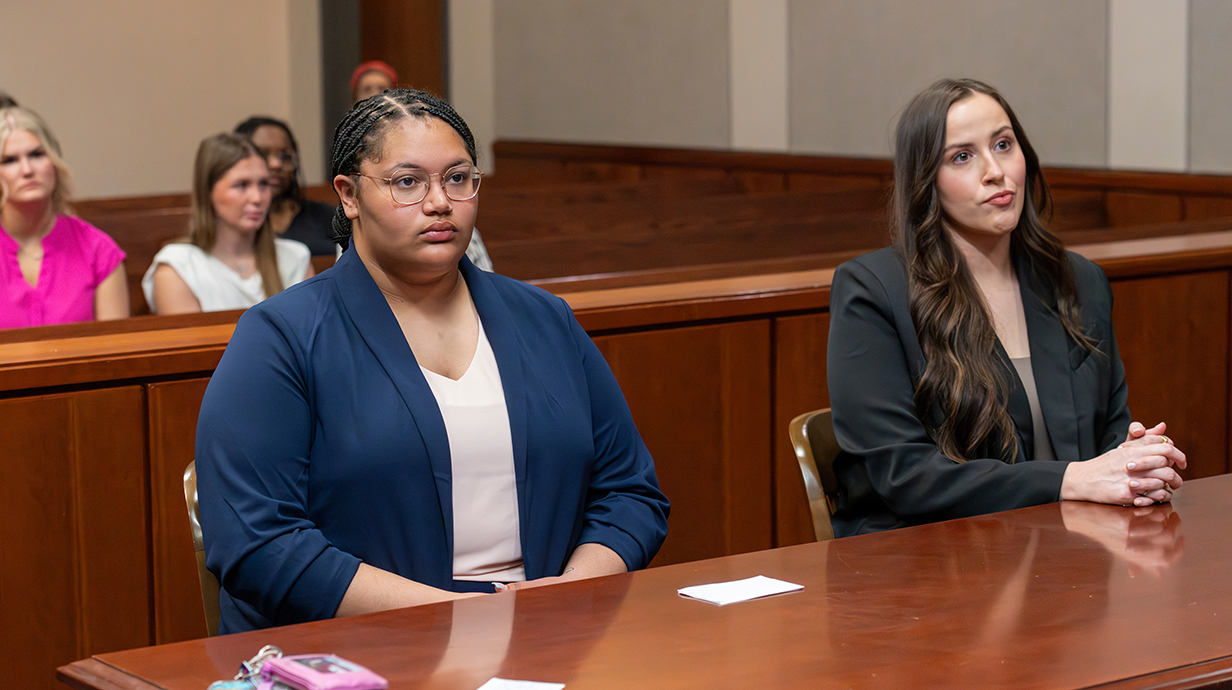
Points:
x=389 y=184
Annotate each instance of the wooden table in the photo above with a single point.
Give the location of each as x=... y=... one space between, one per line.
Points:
x=1067 y=595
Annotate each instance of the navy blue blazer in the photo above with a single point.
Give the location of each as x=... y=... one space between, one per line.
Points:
x=890 y=473
x=320 y=445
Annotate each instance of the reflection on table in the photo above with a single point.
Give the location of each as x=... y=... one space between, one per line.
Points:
x=1056 y=596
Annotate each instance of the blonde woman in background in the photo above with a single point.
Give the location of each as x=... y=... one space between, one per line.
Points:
x=54 y=267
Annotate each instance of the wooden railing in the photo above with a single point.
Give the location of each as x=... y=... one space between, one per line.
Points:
x=714 y=359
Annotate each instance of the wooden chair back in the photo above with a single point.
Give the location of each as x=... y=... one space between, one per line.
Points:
x=812 y=436
x=209 y=583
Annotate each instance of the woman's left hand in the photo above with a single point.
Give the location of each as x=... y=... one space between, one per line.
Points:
x=1138 y=435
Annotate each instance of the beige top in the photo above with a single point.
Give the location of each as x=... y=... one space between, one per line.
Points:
x=1043 y=442
x=486 y=538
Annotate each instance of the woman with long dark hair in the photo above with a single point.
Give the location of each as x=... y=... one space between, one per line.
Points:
x=973 y=366
x=292 y=216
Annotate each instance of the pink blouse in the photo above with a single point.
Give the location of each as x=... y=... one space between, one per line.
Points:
x=77 y=257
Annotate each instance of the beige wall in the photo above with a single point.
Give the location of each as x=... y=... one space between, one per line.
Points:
x=1138 y=84
x=1210 y=86
x=856 y=63
x=131 y=86
x=614 y=71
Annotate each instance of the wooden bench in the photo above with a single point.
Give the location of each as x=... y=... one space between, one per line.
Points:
x=99 y=419
x=1129 y=198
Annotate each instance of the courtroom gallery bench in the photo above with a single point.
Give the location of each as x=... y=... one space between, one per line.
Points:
x=714 y=358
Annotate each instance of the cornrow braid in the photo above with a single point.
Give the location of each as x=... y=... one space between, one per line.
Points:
x=359 y=135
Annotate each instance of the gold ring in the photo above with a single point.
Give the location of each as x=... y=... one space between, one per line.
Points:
x=1165 y=439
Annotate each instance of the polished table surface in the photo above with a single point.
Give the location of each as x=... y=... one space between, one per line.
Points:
x=1069 y=595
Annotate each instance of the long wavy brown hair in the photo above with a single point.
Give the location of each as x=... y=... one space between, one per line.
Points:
x=964 y=377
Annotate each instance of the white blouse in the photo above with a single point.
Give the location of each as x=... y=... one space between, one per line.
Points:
x=487 y=545
x=216 y=285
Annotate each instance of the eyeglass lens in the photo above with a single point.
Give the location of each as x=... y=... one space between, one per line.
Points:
x=459 y=184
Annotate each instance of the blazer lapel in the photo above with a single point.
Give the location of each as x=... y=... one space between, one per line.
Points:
x=1050 y=361
x=502 y=332
x=372 y=317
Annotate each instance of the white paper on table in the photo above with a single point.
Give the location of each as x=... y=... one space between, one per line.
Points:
x=504 y=684
x=723 y=593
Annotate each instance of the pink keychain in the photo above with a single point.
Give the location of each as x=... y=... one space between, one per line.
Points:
x=318 y=672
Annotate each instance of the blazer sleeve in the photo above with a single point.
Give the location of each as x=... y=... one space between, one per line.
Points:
x=889 y=463
x=625 y=510
x=253 y=440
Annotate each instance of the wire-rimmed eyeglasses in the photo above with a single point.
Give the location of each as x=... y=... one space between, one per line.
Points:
x=410 y=188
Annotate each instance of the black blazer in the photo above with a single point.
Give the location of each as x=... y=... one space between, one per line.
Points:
x=890 y=473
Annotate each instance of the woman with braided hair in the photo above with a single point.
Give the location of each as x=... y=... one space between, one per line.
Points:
x=405 y=428
x=972 y=366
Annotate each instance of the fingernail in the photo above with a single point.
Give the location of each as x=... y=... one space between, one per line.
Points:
x=1131 y=465
x=1133 y=485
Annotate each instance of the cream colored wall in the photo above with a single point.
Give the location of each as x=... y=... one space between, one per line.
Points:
x=856 y=63
x=131 y=86
x=1210 y=87
x=1142 y=84
x=613 y=71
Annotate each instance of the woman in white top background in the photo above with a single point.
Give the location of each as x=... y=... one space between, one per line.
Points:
x=232 y=260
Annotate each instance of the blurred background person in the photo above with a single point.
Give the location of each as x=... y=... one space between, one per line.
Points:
x=54 y=267
x=370 y=78
x=291 y=215
x=232 y=259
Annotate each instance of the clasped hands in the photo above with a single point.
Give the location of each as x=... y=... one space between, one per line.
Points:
x=1141 y=471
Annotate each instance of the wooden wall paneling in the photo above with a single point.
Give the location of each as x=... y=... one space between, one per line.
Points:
x=410 y=36
x=173 y=410
x=1204 y=207
x=73 y=556
x=1142 y=208
x=1173 y=332
x=524 y=172
x=597 y=171
x=816 y=182
x=651 y=171
x=699 y=398
x=799 y=386
x=761 y=181
x=1078 y=209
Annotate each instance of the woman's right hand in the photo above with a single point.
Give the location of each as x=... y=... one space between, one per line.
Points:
x=373 y=589
x=1140 y=472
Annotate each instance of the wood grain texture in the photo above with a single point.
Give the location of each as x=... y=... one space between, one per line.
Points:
x=173 y=409
x=1050 y=597
x=410 y=36
x=1141 y=208
x=1173 y=335
x=799 y=387
x=73 y=559
x=698 y=398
